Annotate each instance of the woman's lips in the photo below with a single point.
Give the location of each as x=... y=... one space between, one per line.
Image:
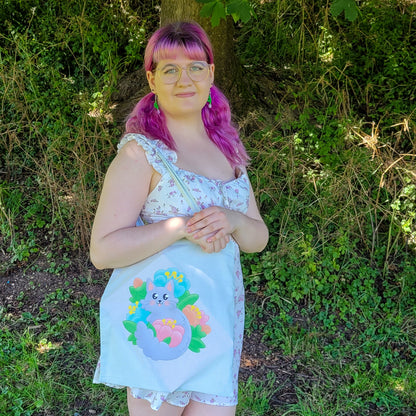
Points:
x=185 y=94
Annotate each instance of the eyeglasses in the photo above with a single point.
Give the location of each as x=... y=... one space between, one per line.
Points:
x=171 y=73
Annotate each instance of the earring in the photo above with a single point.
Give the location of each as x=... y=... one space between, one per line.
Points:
x=156 y=105
x=209 y=101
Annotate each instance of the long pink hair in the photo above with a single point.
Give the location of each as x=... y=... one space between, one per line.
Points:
x=144 y=118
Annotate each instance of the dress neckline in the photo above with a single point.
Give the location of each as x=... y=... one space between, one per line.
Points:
x=172 y=156
x=238 y=174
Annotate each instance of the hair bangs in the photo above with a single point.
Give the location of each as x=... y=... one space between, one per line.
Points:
x=169 y=50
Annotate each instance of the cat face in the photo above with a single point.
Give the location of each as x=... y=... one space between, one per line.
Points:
x=160 y=296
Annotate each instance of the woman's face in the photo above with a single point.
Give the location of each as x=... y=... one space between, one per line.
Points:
x=183 y=96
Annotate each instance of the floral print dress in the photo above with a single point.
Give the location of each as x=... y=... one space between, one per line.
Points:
x=166 y=201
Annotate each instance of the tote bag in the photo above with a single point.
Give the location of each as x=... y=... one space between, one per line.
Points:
x=167 y=322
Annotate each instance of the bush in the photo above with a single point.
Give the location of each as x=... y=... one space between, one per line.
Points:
x=60 y=62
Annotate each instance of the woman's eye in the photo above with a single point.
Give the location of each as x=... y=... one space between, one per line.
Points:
x=196 y=68
x=170 y=70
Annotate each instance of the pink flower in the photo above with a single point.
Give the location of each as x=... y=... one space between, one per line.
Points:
x=167 y=328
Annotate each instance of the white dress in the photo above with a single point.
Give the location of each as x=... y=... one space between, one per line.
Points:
x=166 y=201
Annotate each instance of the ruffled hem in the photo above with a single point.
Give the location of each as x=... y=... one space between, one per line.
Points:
x=149 y=146
x=156 y=398
x=176 y=398
x=181 y=398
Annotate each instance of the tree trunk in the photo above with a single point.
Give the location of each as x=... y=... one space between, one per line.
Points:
x=228 y=71
x=227 y=66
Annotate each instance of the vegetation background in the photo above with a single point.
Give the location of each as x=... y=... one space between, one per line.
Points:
x=329 y=122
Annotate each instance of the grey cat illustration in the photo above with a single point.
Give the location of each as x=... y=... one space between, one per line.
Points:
x=173 y=331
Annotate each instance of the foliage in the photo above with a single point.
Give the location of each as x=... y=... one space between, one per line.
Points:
x=242 y=10
x=349 y=7
x=334 y=173
x=333 y=167
x=336 y=285
x=59 y=64
x=220 y=9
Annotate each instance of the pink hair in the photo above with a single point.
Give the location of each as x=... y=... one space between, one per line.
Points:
x=144 y=119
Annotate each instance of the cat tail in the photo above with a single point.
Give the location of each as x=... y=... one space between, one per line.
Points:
x=159 y=350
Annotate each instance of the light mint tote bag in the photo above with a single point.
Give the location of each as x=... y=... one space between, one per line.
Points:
x=166 y=323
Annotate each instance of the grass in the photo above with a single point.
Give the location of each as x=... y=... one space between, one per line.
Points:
x=47 y=359
x=331 y=302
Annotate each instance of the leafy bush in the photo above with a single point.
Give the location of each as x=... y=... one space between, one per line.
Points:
x=335 y=240
x=60 y=62
x=332 y=166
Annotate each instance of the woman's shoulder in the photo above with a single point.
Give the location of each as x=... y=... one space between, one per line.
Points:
x=139 y=139
x=150 y=148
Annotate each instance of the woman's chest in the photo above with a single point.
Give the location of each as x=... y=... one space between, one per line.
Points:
x=205 y=160
x=166 y=200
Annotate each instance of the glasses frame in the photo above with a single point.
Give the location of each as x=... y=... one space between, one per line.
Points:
x=187 y=68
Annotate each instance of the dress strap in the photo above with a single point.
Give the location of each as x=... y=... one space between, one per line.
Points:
x=178 y=181
x=159 y=156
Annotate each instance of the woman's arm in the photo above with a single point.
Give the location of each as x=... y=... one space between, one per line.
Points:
x=215 y=224
x=250 y=231
x=115 y=239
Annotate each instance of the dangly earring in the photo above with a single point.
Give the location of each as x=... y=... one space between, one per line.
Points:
x=209 y=101
x=156 y=105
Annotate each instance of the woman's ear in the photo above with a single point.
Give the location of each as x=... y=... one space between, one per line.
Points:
x=212 y=70
x=150 y=79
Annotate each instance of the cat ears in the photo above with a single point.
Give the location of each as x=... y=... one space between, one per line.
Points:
x=150 y=285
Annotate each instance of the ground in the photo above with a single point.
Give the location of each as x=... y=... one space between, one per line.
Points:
x=24 y=288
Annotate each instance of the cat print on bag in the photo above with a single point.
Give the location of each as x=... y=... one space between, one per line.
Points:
x=173 y=331
x=163 y=320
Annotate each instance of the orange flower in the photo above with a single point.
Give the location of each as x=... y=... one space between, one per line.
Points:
x=137 y=282
x=197 y=317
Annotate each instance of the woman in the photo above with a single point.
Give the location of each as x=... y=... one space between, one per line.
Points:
x=188 y=119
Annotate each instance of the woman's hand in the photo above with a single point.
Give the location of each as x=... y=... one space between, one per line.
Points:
x=211 y=228
x=213 y=247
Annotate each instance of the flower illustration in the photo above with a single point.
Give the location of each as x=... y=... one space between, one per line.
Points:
x=167 y=328
x=197 y=317
x=137 y=282
x=181 y=283
x=132 y=308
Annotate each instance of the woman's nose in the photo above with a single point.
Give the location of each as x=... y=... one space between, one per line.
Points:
x=184 y=78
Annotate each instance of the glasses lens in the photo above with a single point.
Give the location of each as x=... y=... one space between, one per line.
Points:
x=171 y=73
x=197 y=71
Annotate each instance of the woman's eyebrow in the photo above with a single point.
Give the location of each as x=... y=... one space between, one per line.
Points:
x=168 y=64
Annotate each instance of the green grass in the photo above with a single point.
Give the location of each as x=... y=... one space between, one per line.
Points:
x=352 y=370
x=333 y=297
x=47 y=360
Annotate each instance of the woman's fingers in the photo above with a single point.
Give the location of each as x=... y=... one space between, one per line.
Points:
x=212 y=245
x=209 y=221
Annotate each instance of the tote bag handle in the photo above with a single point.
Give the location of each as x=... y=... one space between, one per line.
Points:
x=178 y=181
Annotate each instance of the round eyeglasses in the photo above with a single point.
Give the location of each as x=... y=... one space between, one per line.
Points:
x=171 y=73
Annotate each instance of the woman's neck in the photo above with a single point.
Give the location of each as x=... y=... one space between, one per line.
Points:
x=186 y=128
